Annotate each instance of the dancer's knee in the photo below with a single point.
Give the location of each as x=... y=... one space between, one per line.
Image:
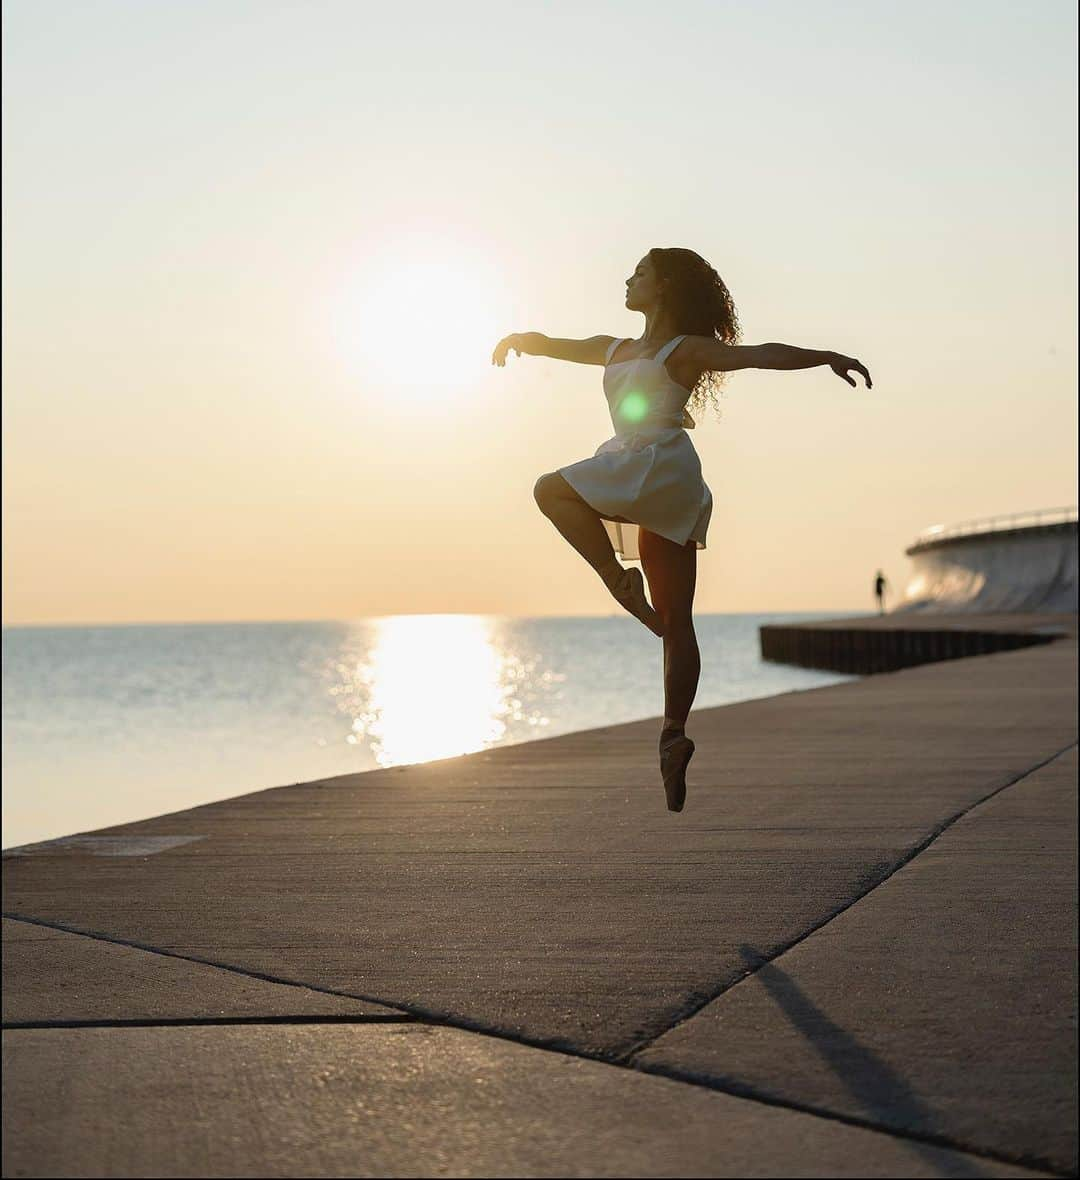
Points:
x=678 y=623
x=545 y=490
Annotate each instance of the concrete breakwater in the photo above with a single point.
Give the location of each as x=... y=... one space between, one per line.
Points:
x=864 y=646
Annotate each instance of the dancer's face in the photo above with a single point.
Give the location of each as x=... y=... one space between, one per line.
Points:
x=642 y=290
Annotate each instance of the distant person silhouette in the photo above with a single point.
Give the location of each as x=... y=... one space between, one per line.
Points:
x=880 y=586
x=649 y=474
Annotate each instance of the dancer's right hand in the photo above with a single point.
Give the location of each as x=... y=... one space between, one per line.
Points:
x=514 y=341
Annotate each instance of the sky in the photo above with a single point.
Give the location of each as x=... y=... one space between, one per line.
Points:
x=257 y=255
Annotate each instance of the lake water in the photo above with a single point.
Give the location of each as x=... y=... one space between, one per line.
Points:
x=102 y=725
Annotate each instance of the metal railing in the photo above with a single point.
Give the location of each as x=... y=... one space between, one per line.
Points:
x=993 y=524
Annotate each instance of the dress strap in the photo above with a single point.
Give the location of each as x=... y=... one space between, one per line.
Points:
x=611 y=348
x=668 y=349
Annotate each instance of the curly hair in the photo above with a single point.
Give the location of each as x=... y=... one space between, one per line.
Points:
x=700 y=304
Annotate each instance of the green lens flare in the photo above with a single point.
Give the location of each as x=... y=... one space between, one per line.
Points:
x=634 y=407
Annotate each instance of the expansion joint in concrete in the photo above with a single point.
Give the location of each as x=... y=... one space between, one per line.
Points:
x=751 y=1094
x=209 y=1021
x=246 y=972
x=693 y=1007
x=672 y=1074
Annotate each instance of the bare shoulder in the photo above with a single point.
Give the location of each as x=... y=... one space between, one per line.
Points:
x=590 y=351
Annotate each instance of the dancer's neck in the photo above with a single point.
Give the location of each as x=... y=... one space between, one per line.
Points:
x=658 y=329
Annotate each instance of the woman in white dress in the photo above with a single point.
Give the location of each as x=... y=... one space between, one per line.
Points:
x=642 y=494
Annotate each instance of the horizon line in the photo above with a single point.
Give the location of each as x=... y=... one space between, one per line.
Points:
x=375 y=618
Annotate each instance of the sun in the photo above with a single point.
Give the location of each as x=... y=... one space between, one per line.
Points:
x=420 y=320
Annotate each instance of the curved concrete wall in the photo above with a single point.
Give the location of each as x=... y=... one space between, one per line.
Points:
x=1026 y=569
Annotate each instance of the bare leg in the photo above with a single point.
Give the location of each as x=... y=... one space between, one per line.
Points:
x=581 y=525
x=578 y=523
x=672 y=573
x=682 y=670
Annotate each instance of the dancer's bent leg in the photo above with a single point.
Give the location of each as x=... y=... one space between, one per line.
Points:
x=579 y=524
x=582 y=526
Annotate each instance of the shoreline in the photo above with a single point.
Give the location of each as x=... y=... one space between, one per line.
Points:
x=526 y=741
x=159 y=735
x=541 y=929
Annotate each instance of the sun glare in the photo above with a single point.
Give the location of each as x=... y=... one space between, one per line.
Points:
x=435 y=686
x=420 y=321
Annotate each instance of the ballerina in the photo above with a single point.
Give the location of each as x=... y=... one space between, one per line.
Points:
x=642 y=496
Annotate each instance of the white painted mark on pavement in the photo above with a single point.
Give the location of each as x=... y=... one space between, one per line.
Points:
x=104 y=845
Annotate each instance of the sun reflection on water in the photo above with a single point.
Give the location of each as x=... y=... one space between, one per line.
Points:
x=430 y=686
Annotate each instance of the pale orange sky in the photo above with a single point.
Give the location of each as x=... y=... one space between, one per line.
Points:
x=257 y=256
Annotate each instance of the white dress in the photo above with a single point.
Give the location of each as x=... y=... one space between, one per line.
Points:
x=649 y=472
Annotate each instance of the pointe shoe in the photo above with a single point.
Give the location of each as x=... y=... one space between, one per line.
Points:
x=629 y=592
x=675 y=755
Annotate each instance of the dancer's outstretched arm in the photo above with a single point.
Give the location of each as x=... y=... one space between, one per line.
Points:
x=585 y=352
x=706 y=354
x=712 y=355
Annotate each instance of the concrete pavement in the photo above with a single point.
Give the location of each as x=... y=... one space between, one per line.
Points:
x=945 y=993
x=413 y=1100
x=542 y=895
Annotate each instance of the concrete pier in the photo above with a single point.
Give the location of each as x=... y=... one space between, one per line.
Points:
x=869 y=644
x=853 y=954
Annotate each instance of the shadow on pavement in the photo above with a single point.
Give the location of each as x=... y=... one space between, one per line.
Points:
x=885 y=1097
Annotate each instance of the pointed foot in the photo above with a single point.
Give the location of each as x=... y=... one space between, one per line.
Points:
x=675 y=756
x=629 y=592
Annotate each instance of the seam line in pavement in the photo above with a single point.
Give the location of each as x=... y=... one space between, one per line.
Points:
x=415 y=1014
x=207 y=1021
x=736 y=1090
x=245 y=972
x=699 y=1081
x=695 y=1006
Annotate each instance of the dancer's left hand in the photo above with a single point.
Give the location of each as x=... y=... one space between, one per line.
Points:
x=841 y=366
